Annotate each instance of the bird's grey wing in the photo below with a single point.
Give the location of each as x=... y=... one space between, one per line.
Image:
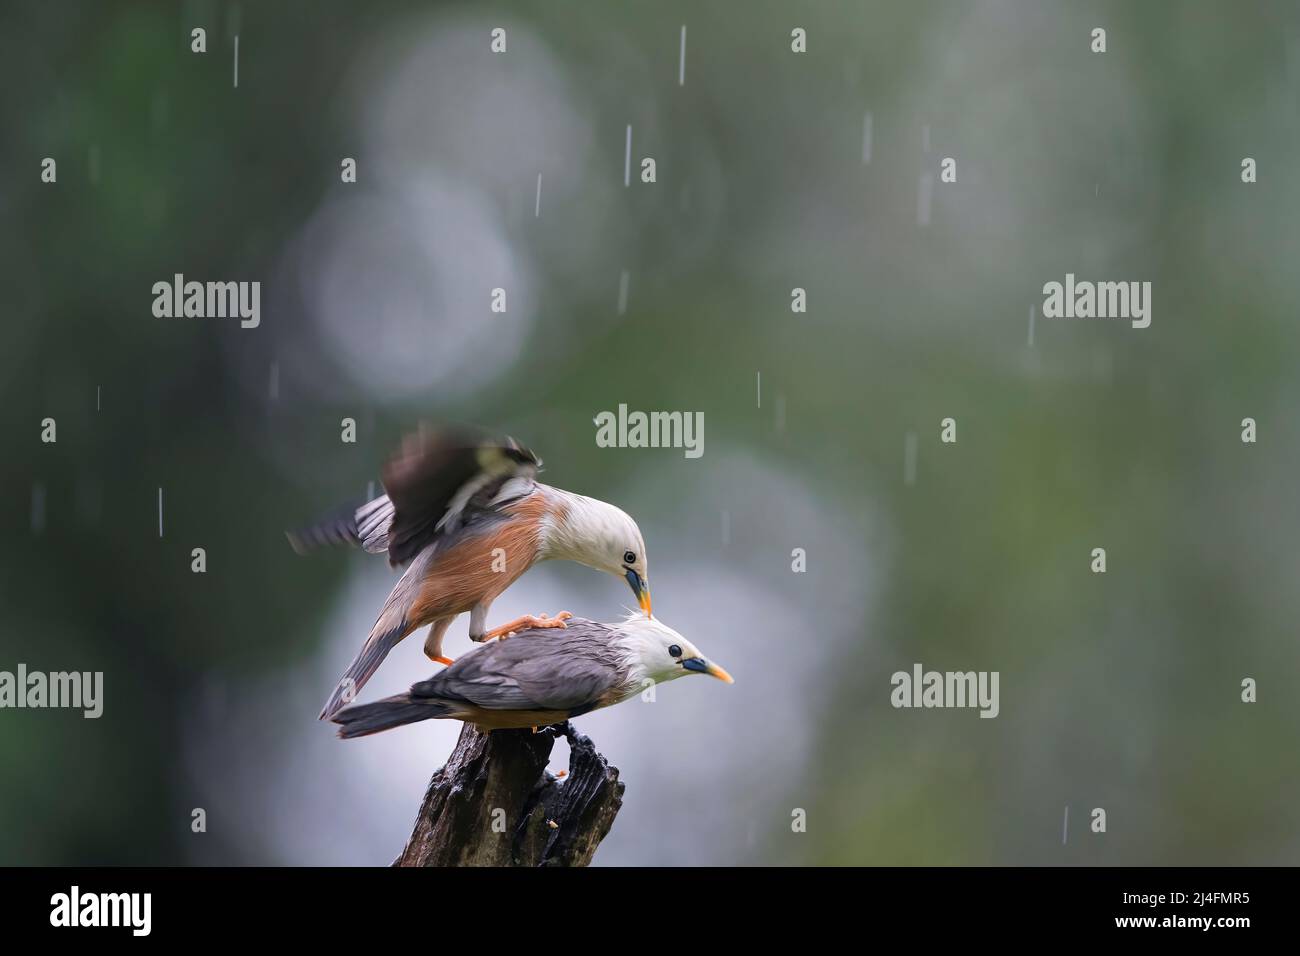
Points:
x=439 y=477
x=339 y=527
x=365 y=524
x=372 y=521
x=538 y=669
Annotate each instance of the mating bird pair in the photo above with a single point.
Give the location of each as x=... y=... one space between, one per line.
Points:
x=468 y=518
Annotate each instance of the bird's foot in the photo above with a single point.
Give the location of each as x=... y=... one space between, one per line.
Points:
x=563 y=729
x=526 y=622
x=440 y=659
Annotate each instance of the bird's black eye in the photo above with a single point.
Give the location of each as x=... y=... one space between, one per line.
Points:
x=629 y=557
x=675 y=650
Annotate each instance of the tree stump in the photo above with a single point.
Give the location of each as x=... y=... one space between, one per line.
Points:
x=493 y=803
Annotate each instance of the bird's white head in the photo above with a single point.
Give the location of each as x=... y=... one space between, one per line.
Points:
x=595 y=533
x=658 y=653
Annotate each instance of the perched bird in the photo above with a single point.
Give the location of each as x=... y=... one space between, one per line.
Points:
x=467 y=515
x=541 y=677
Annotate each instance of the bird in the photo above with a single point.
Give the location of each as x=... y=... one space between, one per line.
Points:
x=540 y=677
x=464 y=513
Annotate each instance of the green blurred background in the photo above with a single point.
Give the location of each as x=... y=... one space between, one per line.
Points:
x=1119 y=691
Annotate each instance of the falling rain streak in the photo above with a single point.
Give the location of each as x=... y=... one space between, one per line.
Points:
x=236 y=61
x=866 y=138
x=537 y=206
x=627 y=158
x=160 y=526
x=681 y=60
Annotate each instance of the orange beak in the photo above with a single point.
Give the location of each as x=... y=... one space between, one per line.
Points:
x=702 y=666
x=640 y=589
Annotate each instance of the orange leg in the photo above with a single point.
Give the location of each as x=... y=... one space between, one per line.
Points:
x=525 y=622
x=433 y=643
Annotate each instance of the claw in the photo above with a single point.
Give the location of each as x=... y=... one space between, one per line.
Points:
x=526 y=622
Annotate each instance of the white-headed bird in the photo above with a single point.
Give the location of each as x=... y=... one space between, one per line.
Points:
x=467 y=517
x=540 y=677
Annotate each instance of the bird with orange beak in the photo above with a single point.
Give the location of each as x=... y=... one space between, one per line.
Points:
x=541 y=678
x=467 y=517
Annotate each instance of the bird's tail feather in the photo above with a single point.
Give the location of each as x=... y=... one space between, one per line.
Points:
x=385 y=714
x=372 y=654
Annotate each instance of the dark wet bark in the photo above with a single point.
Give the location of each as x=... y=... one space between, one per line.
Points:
x=494 y=803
